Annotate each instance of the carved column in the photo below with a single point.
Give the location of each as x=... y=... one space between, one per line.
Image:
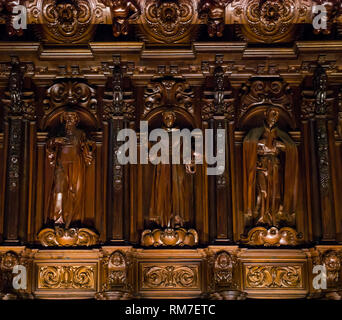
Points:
x=316 y=105
x=322 y=149
x=218 y=113
x=118 y=112
x=19 y=114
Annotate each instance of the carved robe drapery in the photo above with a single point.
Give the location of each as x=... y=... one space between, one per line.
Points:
x=172 y=193
x=68 y=157
x=279 y=181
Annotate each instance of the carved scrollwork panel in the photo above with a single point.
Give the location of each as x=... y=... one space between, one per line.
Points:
x=168 y=91
x=270 y=20
x=273 y=276
x=170 y=276
x=68 y=21
x=169 y=21
x=70 y=93
x=66 y=277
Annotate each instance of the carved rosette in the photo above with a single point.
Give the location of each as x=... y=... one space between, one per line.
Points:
x=270 y=20
x=72 y=21
x=273 y=276
x=70 y=92
x=168 y=21
x=168 y=276
x=66 y=277
x=72 y=237
x=260 y=236
x=169 y=237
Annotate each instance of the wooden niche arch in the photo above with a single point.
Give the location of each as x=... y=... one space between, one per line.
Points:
x=53 y=125
x=152 y=219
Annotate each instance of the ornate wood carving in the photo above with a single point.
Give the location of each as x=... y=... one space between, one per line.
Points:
x=213 y=11
x=6 y=13
x=66 y=277
x=168 y=22
x=320 y=87
x=260 y=236
x=72 y=93
x=265 y=91
x=334 y=11
x=122 y=12
x=170 y=276
x=169 y=237
x=70 y=21
x=220 y=101
x=168 y=91
x=270 y=20
x=290 y=276
x=61 y=237
x=116 y=284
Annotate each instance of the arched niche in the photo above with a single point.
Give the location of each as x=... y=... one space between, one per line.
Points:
x=255 y=117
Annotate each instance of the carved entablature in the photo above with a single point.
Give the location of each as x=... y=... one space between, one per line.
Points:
x=263 y=91
x=269 y=20
x=168 y=91
x=70 y=21
x=168 y=21
x=70 y=93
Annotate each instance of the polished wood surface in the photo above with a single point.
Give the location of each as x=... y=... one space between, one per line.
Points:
x=86 y=226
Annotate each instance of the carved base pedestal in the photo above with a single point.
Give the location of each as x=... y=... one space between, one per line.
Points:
x=215 y=272
x=73 y=237
x=228 y=295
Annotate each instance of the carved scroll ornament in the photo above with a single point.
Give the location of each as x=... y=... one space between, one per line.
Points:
x=169 y=237
x=260 y=236
x=274 y=276
x=168 y=91
x=70 y=93
x=66 y=277
x=72 y=237
x=170 y=276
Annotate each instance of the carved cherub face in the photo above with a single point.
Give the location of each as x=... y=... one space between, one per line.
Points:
x=272 y=117
x=169 y=118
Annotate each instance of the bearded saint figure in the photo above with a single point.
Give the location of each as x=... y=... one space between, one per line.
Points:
x=68 y=155
x=172 y=197
x=270 y=187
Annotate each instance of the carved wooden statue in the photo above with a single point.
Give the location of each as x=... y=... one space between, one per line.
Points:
x=172 y=196
x=215 y=10
x=270 y=186
x=68 y=155
x=122 y=11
